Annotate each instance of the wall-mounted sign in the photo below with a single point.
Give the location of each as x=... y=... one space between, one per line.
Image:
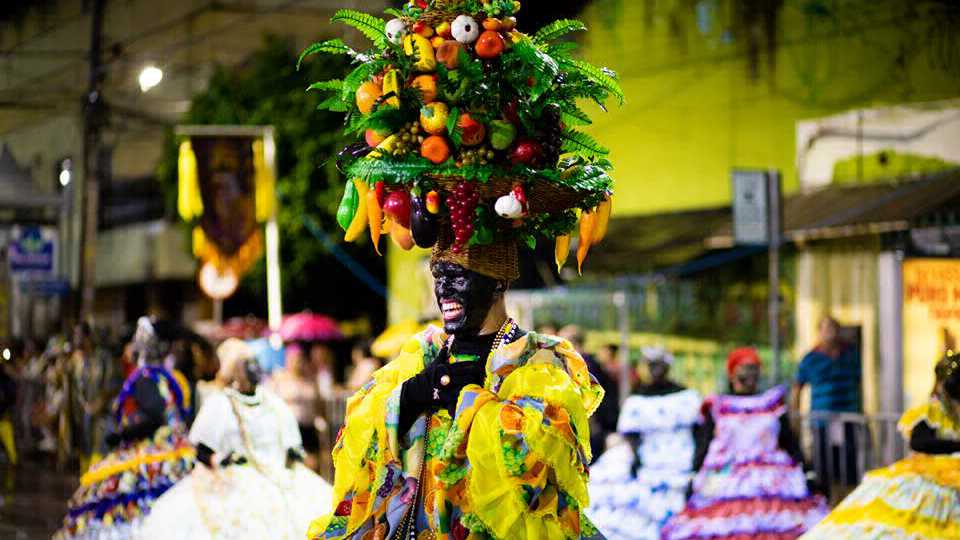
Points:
x=754 y=215
x=931 y=321
x=30 y=251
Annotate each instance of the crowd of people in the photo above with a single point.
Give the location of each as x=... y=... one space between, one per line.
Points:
x=56 y=401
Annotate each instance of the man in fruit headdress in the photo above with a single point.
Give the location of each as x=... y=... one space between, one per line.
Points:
x=475 y=430
x=480 y=429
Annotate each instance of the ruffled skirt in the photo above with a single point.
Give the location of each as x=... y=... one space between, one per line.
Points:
x=118 y=491
x=917 y=498
x=751 y=501
x=633 y=508
x=239 y=502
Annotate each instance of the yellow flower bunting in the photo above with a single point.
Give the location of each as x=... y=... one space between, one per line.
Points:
x=189 y=202
x=265 y=183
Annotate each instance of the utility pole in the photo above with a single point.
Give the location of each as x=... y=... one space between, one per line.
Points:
x=94 y=118
x=773 y=299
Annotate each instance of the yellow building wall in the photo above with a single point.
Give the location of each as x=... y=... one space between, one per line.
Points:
x=693 y=112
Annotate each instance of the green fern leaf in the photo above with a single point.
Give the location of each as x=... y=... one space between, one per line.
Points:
x=557 y=29
x=357 y=77
x=368 y=25
x=581 y=143
x=331 y=46
x=601 y=77
x=335 y=85
x=333 y=104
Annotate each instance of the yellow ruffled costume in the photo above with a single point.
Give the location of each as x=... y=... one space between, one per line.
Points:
x=916 y=498
x=512 y=463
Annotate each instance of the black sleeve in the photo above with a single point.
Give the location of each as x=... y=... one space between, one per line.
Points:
x=415 y=399
x=204 y=454
x=702 y=436
x=924 y=439
x=789 y=442
x=150 y=411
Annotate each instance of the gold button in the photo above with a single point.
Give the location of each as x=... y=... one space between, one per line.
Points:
x=445 y=380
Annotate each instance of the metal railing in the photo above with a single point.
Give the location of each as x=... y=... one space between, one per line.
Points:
x=842 y=447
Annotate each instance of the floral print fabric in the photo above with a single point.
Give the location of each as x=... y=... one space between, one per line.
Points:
x=511 y=462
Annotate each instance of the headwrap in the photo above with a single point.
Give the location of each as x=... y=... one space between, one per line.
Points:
x=657 y=354
x=741 y=357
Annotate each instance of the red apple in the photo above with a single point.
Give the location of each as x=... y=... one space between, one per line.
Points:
x=526 y=152
x=373 y=138
x=472 y=132
x=397 y=207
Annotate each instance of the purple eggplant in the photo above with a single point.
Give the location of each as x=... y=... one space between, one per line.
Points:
x=351 y=153
x=423 y=224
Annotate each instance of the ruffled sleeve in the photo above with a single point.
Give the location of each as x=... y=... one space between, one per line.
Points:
x=934 y=415
x=519 y=450
x=366 y=456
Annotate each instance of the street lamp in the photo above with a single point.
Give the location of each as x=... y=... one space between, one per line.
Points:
x=150 y=76
x=66 y=172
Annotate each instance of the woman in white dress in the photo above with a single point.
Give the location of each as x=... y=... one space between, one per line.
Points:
x=249 y=481
x=635 y=486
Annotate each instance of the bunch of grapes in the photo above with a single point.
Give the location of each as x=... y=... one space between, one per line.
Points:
x=477 y=156
x=410 y=138
x=550 y=135
x=462 y=202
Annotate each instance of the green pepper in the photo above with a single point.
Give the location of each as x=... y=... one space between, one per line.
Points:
x=348 y=206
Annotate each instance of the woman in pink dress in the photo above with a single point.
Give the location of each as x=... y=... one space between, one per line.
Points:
x=750 y=483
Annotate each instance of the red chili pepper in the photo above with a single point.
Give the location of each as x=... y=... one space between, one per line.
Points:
x=381 y=192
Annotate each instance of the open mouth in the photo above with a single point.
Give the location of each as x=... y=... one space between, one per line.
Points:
x=451 y=310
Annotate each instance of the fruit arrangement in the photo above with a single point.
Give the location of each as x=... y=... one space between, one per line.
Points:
x=465 y=123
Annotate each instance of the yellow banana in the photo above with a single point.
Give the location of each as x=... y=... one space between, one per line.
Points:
x=359 y=223
x=385 y=146
x=391 y=84
x=561 y=250
x=426 y=61
x=603 y=219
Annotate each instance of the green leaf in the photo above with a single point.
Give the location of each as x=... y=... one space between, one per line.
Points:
x=453 y=130
x=393 y=12
x=558 y=29
x=368 y=25
x=602 y=77
x=335 y=85
x=334 y=104
x=332 y=46
x=581 y=143
x=358 y=76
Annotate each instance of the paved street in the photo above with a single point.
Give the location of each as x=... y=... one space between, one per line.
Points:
x=32 y=501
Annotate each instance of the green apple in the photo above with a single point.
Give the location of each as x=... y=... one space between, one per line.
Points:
x=502 y=134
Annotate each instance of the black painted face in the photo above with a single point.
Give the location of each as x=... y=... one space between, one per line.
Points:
x=658 y=370
x=464 y=297
x=746 y=379
x=250 y=375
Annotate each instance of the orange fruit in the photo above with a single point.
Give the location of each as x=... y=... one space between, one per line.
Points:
x=435 y=148
x=427 y=85
x=489 y=45
x=367 y=95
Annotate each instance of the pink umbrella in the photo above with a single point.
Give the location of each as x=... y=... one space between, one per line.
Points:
x=306 y=326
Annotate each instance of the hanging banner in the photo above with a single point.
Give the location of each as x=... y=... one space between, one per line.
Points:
x=931 y=321
x=225 y=188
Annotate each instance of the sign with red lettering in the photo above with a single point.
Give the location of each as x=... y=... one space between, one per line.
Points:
x=931 y=321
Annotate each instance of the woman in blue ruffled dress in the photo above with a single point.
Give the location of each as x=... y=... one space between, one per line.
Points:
x=151 y=450
x=636 y=485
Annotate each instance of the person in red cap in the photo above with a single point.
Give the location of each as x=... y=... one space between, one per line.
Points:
x=750 y=481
